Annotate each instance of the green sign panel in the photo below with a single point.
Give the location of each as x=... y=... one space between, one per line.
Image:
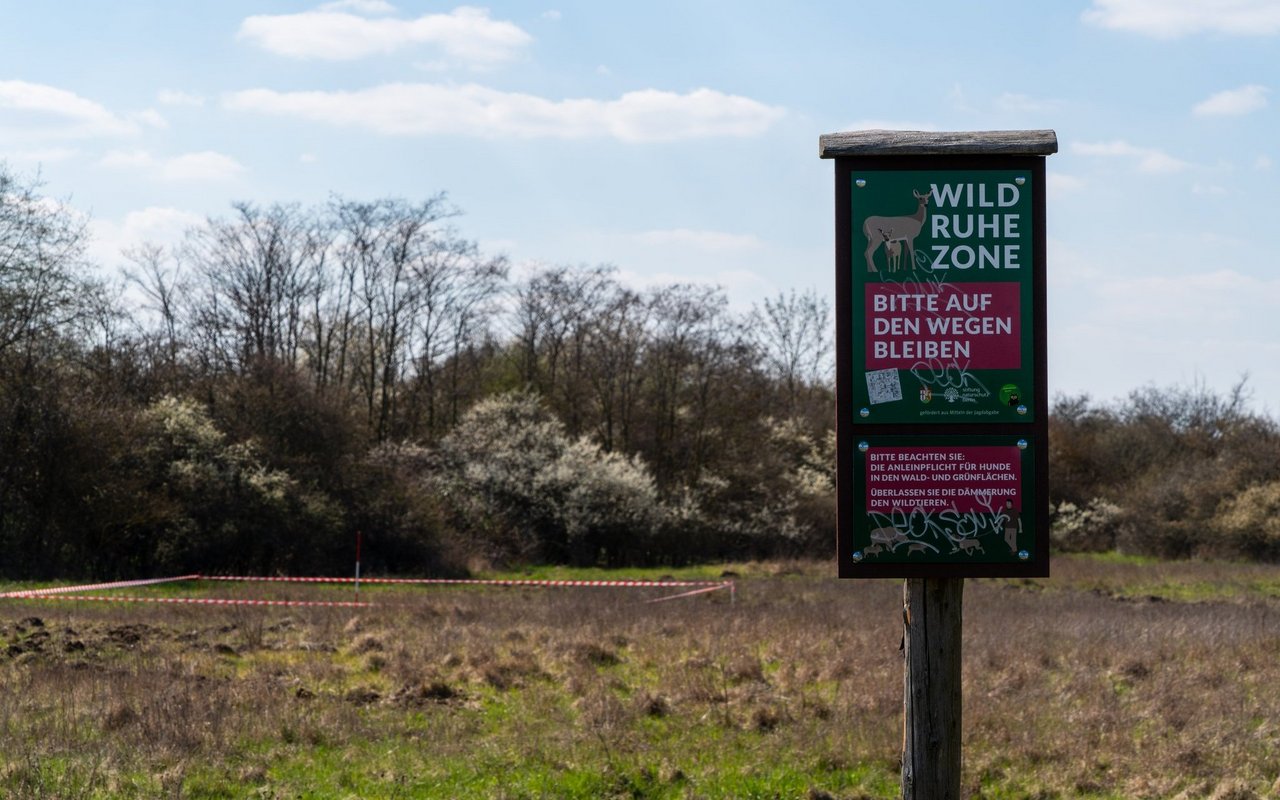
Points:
x=942 y=500
x=942 y=285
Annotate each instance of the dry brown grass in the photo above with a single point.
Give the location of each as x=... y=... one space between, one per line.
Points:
x=1071 y=690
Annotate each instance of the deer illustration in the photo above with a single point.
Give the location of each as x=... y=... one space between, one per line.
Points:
x=901 y=229
x=889 y=537
x=967 y=545
x=892 y=248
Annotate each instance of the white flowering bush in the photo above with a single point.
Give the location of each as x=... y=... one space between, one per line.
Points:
x=1092 y=527
x=522 y=487
x=213 y=504
x=808 y=463
x=529 y=489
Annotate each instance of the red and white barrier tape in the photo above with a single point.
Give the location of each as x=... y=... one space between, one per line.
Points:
x=89 y=587
x=206 y=601
x=70 y=592
x=715 y=588
x=472 y=581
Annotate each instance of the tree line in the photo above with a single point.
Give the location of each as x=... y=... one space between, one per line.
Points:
x=1171 y=472
x=289 y=375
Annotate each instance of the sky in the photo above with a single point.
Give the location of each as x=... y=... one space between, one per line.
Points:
x=678 y=141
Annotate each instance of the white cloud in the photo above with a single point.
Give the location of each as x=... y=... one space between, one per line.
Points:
x=1059 y=183
x=126 y=159
x=1233 y=102
x=742 y=286
x=1011 y=102
x=1211 y=190
x=466 y=34
x=1262 y=162
x=49 y=111
x=551 y=14
x=173 y=97
x=162 y=225
x=1148 y=159
x=1014 y=103
x=360 y=6
x=202 y=166
x=43 y=155
x=153 y=118
x=155 y=225
x=414 y=109
x=706 y=241
x=432 y=66
x=889 y=125
x=958 y=99
x=1170 y=19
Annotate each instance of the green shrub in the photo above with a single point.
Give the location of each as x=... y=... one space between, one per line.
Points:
x=1249 y=522
x=1172 y=461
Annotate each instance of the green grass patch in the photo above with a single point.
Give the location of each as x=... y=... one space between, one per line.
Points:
x=795 y=691
x=1112 y=557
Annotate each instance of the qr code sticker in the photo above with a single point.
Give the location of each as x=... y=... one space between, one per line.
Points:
x=883 y=386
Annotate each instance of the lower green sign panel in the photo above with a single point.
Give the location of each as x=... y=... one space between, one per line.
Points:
x=965 y=505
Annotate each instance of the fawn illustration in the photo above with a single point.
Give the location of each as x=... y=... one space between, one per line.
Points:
x=892 y=249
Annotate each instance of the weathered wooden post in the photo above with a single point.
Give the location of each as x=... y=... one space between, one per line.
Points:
x=941 y=391
x=932 y=707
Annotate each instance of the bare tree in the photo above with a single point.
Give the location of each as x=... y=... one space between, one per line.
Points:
x=158 y=275
x=417 y=287
x=42 y=285
x=617 y=347
x=793 y=333
x=555 y=317
x=456 y=316
x=255 y=283
x=540 y=323
x=686 y=321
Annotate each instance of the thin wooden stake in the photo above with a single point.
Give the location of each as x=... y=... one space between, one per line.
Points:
x=932 y=704
x=358 y=535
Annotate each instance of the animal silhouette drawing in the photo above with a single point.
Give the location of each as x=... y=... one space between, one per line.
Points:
x=896 y=229
x=892 y=249
x=888 y=537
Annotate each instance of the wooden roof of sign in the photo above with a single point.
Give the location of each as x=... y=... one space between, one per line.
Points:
x=919 y=143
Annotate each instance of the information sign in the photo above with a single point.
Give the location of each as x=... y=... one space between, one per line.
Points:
x=942 y=266
x=942 y=500
x=942 y=415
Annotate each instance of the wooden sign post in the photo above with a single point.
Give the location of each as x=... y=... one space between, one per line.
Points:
x=941 y=391
x=932 y=707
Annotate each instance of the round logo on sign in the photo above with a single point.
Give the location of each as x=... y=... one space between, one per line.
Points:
x=1010 y=395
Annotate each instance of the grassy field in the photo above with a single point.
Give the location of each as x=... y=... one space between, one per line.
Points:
x=1117 y=678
